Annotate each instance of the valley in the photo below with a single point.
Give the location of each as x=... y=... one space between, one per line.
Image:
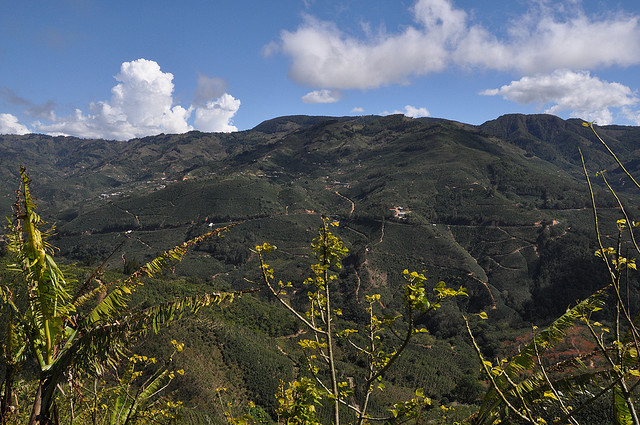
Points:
x=501 y=209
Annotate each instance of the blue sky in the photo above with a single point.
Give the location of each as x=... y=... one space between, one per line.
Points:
x=124 y=69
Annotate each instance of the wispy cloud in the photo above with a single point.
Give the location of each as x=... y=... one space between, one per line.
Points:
x=43 y=111
x=322 y=96
x=11 y=97
x=208 y=88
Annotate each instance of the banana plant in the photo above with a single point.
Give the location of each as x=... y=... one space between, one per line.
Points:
x=133 y=403
x=521 y=386
x=73 y=333
x=528 y=389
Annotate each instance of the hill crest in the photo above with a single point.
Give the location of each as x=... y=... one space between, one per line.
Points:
x=484 y=204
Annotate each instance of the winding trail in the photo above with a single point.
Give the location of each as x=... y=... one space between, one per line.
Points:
x=359 y=283
x=381 y=233
x=127 y=212
x=353 y=204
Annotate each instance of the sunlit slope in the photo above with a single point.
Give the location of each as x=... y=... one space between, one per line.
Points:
x=486 y=206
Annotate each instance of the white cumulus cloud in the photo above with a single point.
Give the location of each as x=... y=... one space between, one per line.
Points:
x=322 y=56
x=9 y=125
x=142 y=104
x=413 y=112
x=322 y=96
x=216 y=114
x=410 y=111
x=579 y=93
x=542 y=40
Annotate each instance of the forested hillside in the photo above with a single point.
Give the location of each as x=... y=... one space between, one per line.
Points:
x=501 y=209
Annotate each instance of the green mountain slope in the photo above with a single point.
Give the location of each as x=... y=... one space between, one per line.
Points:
x=500 y=208
x=475 y=204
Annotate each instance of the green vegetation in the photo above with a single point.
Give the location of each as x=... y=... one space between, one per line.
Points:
x=74 y=332
x=500 y=209
x=538 y=386
x=381 y=342
x=79 y=345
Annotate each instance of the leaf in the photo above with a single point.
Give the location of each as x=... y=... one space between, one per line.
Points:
x=525 y=362
x=620 y=408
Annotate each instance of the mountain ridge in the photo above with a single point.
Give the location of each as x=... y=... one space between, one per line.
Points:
x=501 y=209
x=461 y=188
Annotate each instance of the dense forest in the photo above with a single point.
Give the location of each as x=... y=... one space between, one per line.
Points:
x=426 y=271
